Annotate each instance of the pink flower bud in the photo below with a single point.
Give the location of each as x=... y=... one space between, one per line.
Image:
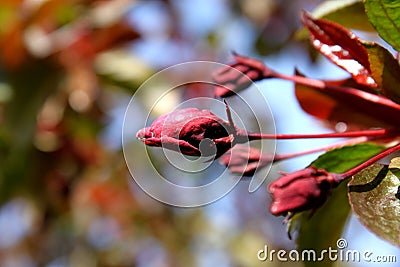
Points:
x=239 y=75
x=184 y=130
x=244 y=160
x=301 y=190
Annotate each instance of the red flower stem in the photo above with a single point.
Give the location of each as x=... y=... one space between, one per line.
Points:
x=370 y=133
x=369 y=162
x=352 y=141
x=339 y=89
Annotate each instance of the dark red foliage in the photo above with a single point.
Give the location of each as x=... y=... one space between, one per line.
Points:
x=358 y=111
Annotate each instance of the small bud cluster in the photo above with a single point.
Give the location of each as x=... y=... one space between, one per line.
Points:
x=186 y=131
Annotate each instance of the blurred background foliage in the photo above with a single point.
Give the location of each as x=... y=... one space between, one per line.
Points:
x=67 y=71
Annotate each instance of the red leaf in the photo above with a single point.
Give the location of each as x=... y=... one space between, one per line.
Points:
x=341 y=47
x=335 y=107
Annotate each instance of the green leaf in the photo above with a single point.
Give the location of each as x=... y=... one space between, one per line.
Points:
x=384 y=15
x=373 y=195
x=385 y=70
x=325 y=227
x=345 y=158
x=348 y=13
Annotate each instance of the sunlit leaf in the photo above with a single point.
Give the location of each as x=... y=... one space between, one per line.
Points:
x=385 y=17
x=373 y=195
x=385 y=70
x=340 y=46
x=394 y=167
x=325 y=227
x=369 y=63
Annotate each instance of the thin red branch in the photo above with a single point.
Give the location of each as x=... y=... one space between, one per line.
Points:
x=349 y=142
x=366 y=133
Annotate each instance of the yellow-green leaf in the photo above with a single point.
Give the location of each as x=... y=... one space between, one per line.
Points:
x=385 y=70
x=348 y=13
